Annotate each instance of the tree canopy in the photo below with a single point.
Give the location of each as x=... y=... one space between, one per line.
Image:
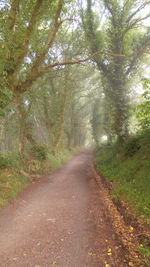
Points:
x=62 y=62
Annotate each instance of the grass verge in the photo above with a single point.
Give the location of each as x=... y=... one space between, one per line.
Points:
x=11 y=183
x=12 y=180
x=127 y=167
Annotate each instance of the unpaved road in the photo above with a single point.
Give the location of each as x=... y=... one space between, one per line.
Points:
x=60 y=221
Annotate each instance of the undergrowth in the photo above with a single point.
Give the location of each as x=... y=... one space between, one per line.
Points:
x=11 y=183
x=128 y=167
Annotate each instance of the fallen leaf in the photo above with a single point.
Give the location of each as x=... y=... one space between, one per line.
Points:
x=91 y=254
x=54 y=262
x=131 y=264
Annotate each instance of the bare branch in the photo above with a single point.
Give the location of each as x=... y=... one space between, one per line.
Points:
x=78 y=61
x=135 y=23
x=137 y=11
x=138 y=54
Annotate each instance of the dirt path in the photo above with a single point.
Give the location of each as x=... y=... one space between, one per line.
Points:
x=60 y=221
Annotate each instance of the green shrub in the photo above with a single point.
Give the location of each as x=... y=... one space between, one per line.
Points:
x=39 y=152
x=143 y=109
x=11 y=183
x=4 y=162
x=132 y=146
x=129 y=170
x=9 y=160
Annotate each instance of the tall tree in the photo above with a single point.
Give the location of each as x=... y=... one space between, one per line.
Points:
x=124 y=44
x=28 y=34
x=23 y=25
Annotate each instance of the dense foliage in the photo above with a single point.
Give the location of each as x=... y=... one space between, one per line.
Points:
x=143 y=109
x=128 y=169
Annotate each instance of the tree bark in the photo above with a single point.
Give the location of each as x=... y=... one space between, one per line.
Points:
x=62 y=120
x=24 y=133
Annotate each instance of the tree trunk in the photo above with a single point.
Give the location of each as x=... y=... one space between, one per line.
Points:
x=24 y=133
x=2 y=126
x=22 y=126
x=62 y=120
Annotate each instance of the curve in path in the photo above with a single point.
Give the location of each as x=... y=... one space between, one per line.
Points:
x=60 y=221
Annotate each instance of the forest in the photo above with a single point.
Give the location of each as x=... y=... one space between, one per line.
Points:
x=75 y=75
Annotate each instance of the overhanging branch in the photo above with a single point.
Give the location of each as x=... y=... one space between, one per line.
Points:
x=78 y=61
x=24 y=86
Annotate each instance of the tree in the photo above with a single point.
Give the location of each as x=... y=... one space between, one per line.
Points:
x=124 y=44
x=23 y=26
x=23 y=107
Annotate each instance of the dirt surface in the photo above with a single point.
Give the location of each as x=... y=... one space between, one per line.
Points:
x=60 y=221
